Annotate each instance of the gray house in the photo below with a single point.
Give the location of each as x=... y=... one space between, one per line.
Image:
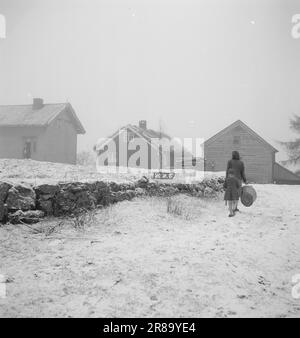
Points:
x=42 y=132
x=258 y=155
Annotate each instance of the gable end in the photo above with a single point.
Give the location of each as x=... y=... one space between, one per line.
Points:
x=240 y=124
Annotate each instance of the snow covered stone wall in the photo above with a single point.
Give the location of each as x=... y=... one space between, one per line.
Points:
x=27 y=203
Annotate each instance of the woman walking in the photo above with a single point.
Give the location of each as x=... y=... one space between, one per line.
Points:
x=232 y=187
x=238 y=170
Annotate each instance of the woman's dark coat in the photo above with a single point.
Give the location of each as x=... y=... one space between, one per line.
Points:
x=232 y=189
x=238 y=168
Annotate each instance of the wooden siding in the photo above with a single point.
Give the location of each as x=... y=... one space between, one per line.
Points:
x=12 y=141
x=257 y=157
x=56 y=143
x=59 y=142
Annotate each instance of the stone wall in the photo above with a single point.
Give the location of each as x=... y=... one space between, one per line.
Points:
x=27 y=203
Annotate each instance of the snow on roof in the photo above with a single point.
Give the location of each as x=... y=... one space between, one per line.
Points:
x=25 y=115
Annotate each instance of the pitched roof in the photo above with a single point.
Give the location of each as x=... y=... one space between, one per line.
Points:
x=243 y=125
x=285 y=171
x=147 y=134
x=26 y=116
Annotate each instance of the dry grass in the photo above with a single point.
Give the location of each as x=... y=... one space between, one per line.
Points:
x=184 y=207
x=79 y=220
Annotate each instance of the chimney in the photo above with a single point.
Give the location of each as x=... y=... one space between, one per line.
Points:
x=37 y=103
x=143 y=124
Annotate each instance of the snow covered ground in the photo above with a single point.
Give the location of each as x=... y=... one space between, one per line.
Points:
x=36 y=172
x=135 y=259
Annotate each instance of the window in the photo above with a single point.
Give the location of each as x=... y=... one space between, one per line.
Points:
x=236 y=140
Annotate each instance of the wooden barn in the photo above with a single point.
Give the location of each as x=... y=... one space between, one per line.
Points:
x=257 y=154
x=42 y=132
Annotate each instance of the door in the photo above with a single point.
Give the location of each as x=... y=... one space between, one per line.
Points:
x=29 y=147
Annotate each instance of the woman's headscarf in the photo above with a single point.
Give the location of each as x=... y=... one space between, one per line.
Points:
x=235 y=155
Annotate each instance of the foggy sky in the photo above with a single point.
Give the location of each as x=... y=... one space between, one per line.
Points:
x=192 y=67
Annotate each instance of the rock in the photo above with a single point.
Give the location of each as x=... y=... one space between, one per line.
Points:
x=208 y=192
x=152 y=188
x=28 y=217
x=200 y=194
x=4 y=188
x=140 y=191
x=142 y=183
x=21 y=197
x=101 y=185
x=46 y=206
x=171 y=191
x=46 y=190
x=3 y=213
x=46 y=197
x=168 y=190
x=130 y=186
x=102 y=193
x=70 y=198
x=114 y=186
x=200 y=187
x=221 y=180
x=84 y=199
x=123 y=195
x=66 y=198
x=118 y=196
x=182 y=187
x=130 y=194
x=74 y=187
x=214 y=183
